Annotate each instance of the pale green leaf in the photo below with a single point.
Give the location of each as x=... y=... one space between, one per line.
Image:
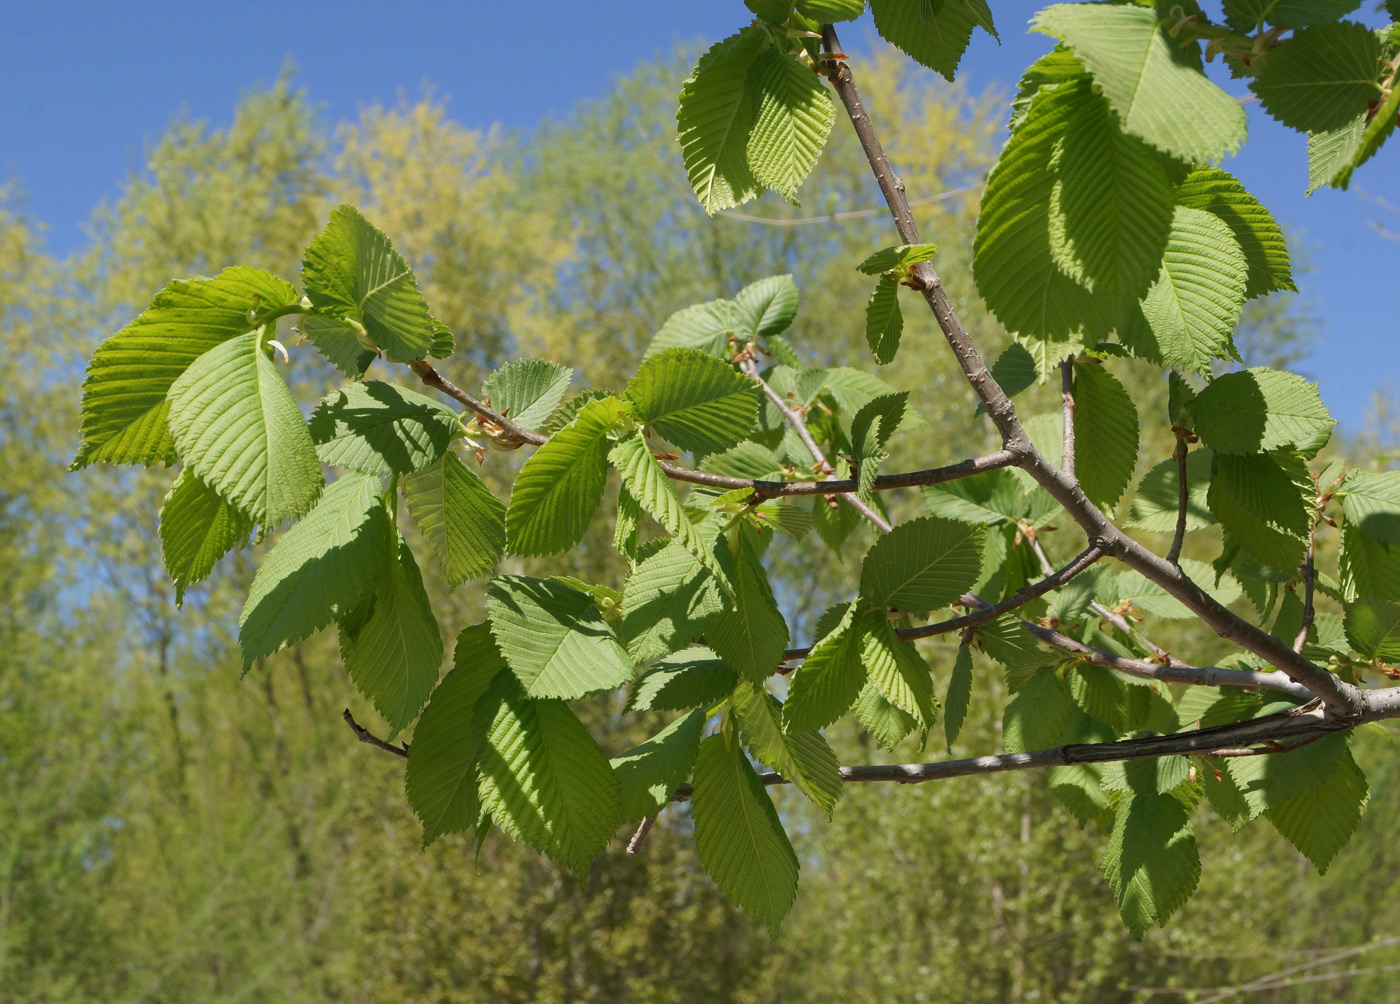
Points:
x=1106 y=434
x=1156 y=500
x=1151 y=861
x=1133 y=587
x=321 y=568
x=378 y=428
x=670 y=600
x=958 y=697
x=1264 y=781
x=716 y=114
x=554 y=639
x=390 y=644
x=884 y=322
x=1248 y=15
x=1373 y=628
x=693 y=678
x=922 y=565
x=1257 y=410
x=559 y=487
x=237 y=427
x=441 y=775
x=1036 y=718
x=542 y=777
x=794 y=118
x=1256 y=231
x=751 y=636
x=698 y=402
x=1321 y=77
x=463 y=522
x=1379 y=124
x=829 y=679
x=802 y=757
x=1333 y=152
x=527 y=391
x=649 y=774
x=886 y=722
x=197 y=528
x=897 y=258
x=124 y=403
x=740 y=838
x=766 y=307
x=1320 y=821
x=934 y=34
x=993 y=498
x=338 y=342
x=352 y=272
x=897 y=669
x=1156 y=87
x=1188 y=317
x=828 y=11
x=1260 y=504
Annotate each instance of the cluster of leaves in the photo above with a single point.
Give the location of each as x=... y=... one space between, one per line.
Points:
x=1105 y=232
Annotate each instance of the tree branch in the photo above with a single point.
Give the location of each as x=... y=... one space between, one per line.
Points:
x=1067 y=406
x=1308 y=607
x=364 y=735
x=1343 y=699
x=1183 y=499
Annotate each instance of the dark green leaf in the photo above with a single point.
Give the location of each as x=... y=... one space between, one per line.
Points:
x=922 y=565
x=649 y=774
x=378 y=428
x=197 y=528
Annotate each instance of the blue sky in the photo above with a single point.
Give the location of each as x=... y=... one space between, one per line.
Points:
x=88 y=86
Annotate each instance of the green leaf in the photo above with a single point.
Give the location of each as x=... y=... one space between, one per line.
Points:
x=871 y=430
x=993 y=498
x=378 y=428
x=772 y=11
x=239 y=430
x=792 y=519
x=197 y=528
x=829 y=679
x=1321 y=77
x=958 y=697
x=124 y=403
x=1371 y=534
x=1248 y=15
x=1018 y=273
x=649 y=774
x=323 y=567
x=1379 y=124
x=1332 y=153
x=853 y=389
x=463 y=522
x=705 y=326
x=765 y=307
x=1151 y=861
x=1256 y=231
x=352 y=272
x=1187 y=317
x=794 y=118
x=1373 y=628
x=802 y=757
x=698 y=402
x=626 y=523
x=897 y=258
x=670 y=600
x=338 y=342
x=554 y=639
x=1134 y=587
x=740 y=838
x=1036 y=718
x=1156 y=501
x=689 y=679
x=897 y=669
x=542 y=778
x=1106 y=434
x=1111 y=207
x=751 y=636
x=560 y=486
x=716 y=114
x=1259 y=409
x=922 y=565
x=1260 y=504
x=527 y=391
x=887 y=723
x=1264 y=781
x=829 y=11
x=934 y=34
x=1321 y=820
x=650 y=486
x=884 y=323
x=441 y=774
x=1157 y=88
x=391 y=646
x=1014 y=371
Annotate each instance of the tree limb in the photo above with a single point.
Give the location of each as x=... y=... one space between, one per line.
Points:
x=1183 y=499
x=1067 y=407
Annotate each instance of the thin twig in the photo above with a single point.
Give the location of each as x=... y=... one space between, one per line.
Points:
x=1308 y=606
x=1183 y=499
x=1067 y=405
x=364 y=735
x=852 y=214
x=635 y=844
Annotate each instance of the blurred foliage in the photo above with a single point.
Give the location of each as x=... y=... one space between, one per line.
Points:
x=169 y=832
